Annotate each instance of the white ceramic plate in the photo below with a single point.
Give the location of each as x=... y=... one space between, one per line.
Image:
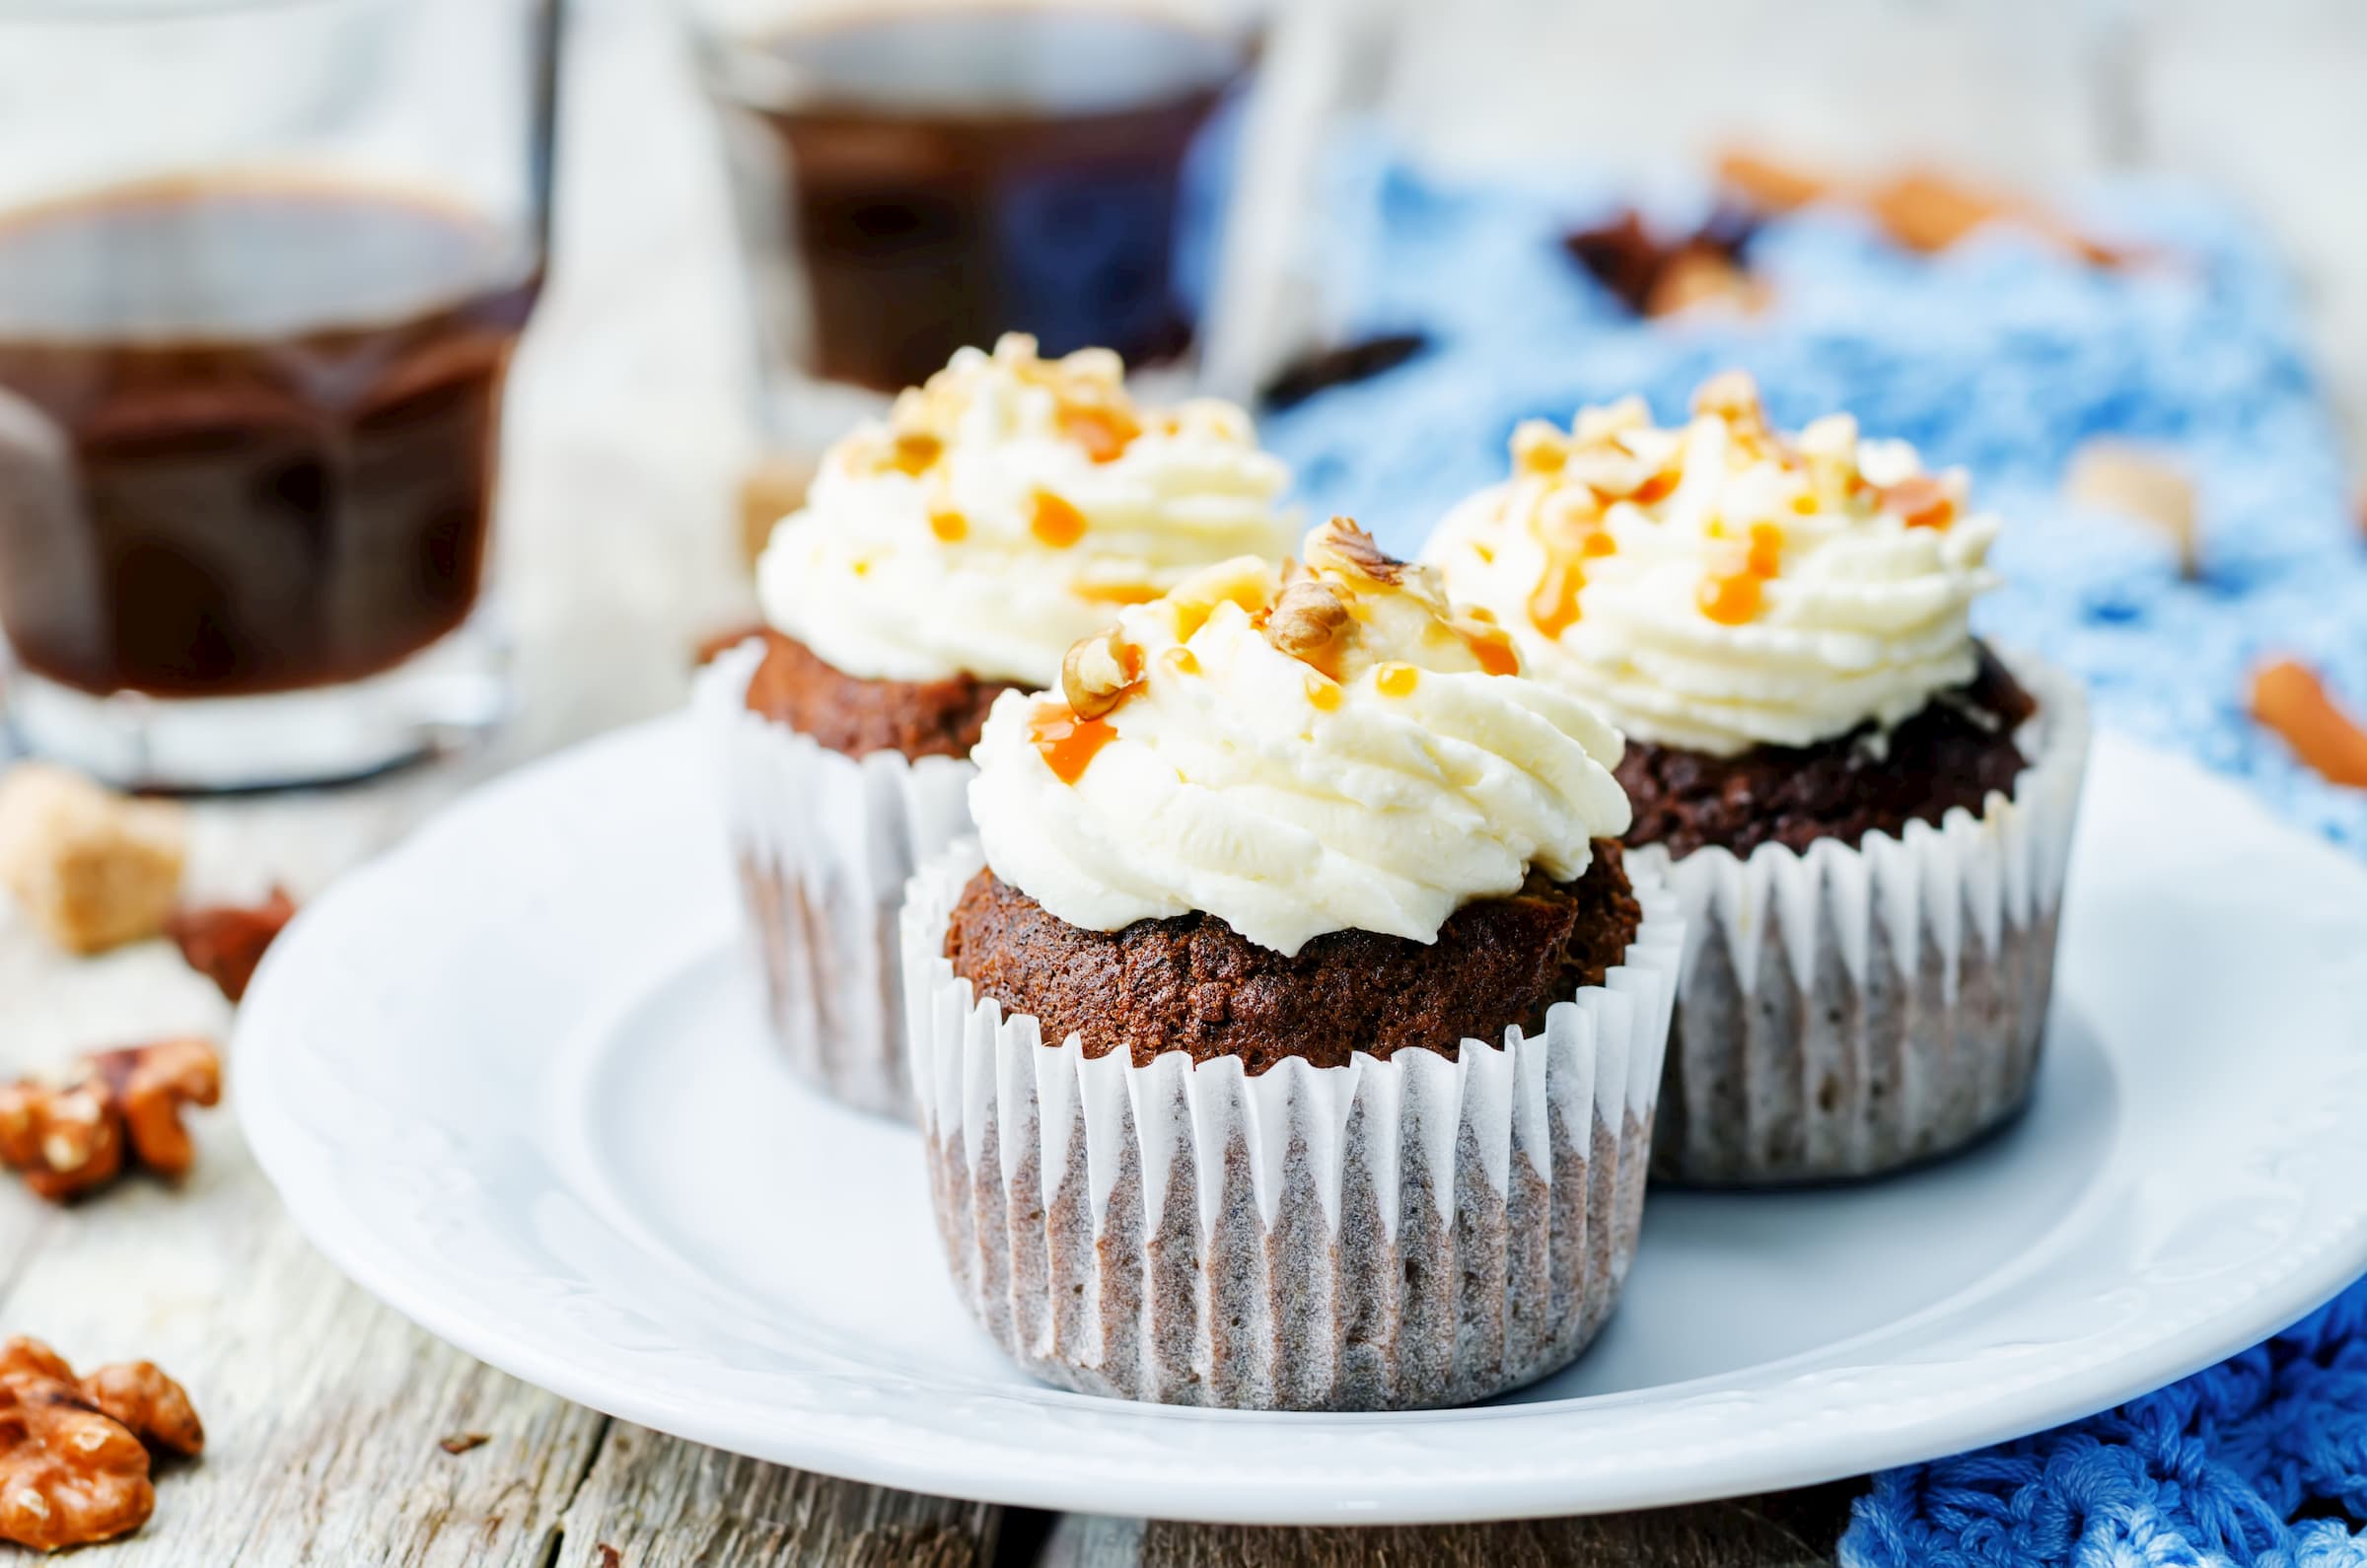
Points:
x=511 y=1078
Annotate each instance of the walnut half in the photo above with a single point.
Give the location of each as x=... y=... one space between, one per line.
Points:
x=1307 y=620
x=124 y=1104
x=1339 y=546
x=1097 y=671
x=74 y=1453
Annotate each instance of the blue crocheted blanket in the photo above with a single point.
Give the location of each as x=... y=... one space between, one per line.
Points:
x=2004 y=355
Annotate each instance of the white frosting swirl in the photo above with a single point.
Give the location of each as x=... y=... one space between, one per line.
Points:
x=1008 y=508
x=1722 y=587
x=1245 y=781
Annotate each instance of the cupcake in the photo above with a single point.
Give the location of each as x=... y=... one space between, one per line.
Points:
x=1289 y=1036
x=943 y=558
x=1864 y=812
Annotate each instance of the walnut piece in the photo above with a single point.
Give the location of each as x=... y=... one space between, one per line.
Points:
x=74 y=1454
x=2143 y=483
x=137 y=1397
x=1339 y=546
x=1308 y=618
x=225 y=942
x=122 y=1105
x=2289 y=698
x=1094 y=672
x=91 y=868
x=1731 y=396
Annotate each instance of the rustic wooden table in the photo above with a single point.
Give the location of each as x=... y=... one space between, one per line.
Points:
x=325 y=1412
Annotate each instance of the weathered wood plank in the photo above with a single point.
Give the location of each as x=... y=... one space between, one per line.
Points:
x=322 y=1409
x=659 y=1502
x=1797 y=1529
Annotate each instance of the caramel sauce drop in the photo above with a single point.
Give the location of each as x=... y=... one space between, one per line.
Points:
x=1657 y=488
x=1397 y=679
x=1732 y=600
x=1736 y=598
x=1919 y=502
x=1553 y=606
x=1104 y=433
x=915 y=451
x=1766 y=550
x=950 y=526
x=1493 y=649
x=1068 y=743
x=1322 y=694
x=1056 y=523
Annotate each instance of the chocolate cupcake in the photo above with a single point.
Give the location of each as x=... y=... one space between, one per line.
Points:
x=1864 y=813
x=1290 y=1037
x=945 y=557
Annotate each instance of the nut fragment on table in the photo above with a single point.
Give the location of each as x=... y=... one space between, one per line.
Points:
x=122 y=1106
x=2289 y=698
x=75 y=1453
x=225 y=942
x=1921 y=209
x=1658 y=276
x=2143 y=483
x=90 y=868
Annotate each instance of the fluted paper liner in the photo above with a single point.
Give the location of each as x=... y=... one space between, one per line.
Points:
x=1393 y=1234
x=1844 y=1012
x=825 y=843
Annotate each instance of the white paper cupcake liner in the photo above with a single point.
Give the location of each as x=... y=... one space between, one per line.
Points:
x=1393 y=1234
x=1844 y=1012
x=825 y=843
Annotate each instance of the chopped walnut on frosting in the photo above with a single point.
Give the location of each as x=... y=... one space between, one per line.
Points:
x=1088 y=392
x=1723 y=582
x=1272 y=744
x=1345 y=607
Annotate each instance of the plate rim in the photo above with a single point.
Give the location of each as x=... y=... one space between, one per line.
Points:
x=2280 y=1291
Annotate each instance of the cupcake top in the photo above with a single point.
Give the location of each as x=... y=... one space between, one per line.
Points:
x=1724 y=586
x=1316 y=747
x=1009 y=507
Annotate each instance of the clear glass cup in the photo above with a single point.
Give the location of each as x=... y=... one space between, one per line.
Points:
x=913 y=176
x=263 y=266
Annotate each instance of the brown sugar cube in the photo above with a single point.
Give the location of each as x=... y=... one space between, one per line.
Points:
x=2139 y=482
x=769 y=493
x=90 y=868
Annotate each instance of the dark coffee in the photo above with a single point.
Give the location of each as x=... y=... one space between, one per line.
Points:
x=248 y=432
x=940 y=176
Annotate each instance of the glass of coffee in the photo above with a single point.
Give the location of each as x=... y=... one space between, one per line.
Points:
x=913 y=176
x=262 y=264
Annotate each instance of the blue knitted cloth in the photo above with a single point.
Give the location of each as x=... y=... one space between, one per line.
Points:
x=2001 y=355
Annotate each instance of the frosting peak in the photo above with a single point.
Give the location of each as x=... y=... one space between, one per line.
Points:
x=1300 y=750
x=1008 y=507
x=1724 y=585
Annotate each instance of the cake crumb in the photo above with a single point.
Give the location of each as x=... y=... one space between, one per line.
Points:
x=93 y=870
